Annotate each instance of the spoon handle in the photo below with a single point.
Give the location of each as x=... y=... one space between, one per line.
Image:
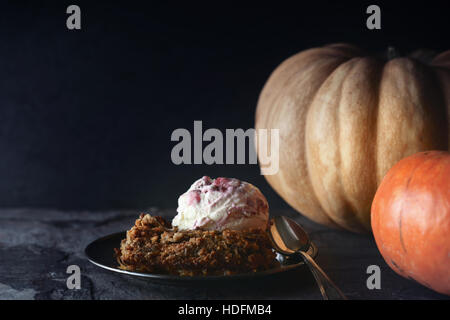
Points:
x=328 y=289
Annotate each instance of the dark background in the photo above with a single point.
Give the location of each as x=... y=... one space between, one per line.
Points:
x=86 y=116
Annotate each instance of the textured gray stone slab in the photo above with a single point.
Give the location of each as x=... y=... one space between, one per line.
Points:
x=37 y=246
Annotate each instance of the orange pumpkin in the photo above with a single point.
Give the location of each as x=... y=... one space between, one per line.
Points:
x=344 y=119
x=411 y=219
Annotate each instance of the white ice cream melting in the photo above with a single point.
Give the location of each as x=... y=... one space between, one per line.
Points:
x=222 y=203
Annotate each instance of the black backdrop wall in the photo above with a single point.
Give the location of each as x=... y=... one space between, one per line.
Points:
x=86 y=116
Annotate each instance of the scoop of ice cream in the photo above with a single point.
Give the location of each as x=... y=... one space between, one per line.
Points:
x=222 y=203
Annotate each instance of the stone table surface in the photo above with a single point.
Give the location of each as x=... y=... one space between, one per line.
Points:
x=37 y=246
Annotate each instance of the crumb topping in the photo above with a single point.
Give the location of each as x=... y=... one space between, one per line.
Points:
x=151 y=245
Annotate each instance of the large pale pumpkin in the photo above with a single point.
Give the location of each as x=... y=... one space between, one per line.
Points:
x=344 y=120
x=411 y=219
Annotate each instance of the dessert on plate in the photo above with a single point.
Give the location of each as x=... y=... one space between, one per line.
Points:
x=220 y=229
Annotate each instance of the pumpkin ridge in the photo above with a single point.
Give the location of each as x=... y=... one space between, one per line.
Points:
x=360 y=207
x=309 y=178
x=308 y=171
x=345 y=199
x=344 y=67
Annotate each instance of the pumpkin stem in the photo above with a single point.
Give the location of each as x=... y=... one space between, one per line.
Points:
x=392 y=53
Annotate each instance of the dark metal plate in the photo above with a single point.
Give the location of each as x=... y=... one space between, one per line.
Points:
x=101 y=253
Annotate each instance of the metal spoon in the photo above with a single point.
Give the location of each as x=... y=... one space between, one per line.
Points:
x=289 y=238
